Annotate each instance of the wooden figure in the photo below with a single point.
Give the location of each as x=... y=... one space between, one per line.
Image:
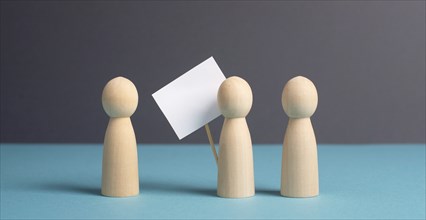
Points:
x=235 y=162
x=299 y=170
x=120 y=176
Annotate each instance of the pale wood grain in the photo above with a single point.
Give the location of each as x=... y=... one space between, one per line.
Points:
x=299 y=171
x=235 y=164
x=120 y=176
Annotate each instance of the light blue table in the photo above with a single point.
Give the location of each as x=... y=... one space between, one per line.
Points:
x=179 y=181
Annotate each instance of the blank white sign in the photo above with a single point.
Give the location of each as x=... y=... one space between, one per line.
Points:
x=190 y=101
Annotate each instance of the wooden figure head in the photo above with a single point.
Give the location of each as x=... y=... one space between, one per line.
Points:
x=234 y=97
x=120 y=98
x=299 y=98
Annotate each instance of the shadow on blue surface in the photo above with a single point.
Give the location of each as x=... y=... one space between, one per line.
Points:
x=69 y=188
x=268 y=192
x=176 y=188
x=149 y=186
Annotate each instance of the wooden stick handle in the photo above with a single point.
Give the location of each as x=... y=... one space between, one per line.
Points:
x=209 y=135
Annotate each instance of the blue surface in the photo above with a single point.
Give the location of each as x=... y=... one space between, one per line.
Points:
x=179 y=181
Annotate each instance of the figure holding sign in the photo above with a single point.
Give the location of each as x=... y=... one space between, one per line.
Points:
x=192 y=100
x=235 y=165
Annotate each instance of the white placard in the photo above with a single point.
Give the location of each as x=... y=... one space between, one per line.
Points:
x=190 y=101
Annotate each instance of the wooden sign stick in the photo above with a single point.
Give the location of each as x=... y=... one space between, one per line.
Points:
x=209 y=135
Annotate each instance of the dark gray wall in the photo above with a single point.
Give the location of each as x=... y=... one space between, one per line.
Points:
x=367 y=59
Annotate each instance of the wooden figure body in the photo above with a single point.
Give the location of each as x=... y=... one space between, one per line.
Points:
x=299 y=170
x=120 y=176
x=235 y=162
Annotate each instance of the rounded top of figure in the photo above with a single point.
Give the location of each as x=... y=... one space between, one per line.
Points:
x=120 y=97
x=234 y=97
x=299 y=98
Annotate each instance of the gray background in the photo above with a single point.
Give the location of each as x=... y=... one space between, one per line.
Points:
x=367 y=59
